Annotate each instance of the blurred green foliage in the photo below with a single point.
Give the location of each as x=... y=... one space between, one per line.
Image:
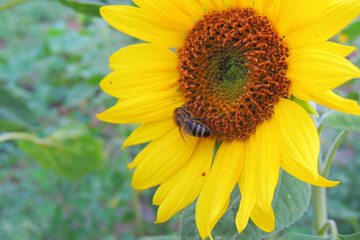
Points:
x=51 y=62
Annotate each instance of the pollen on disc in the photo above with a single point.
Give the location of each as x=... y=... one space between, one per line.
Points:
x=232 y=71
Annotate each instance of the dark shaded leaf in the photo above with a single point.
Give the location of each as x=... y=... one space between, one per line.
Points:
x=291 y=200
x=14 y=114
x=82 y=6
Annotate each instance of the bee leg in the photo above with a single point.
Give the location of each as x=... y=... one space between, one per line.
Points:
x=181 y=134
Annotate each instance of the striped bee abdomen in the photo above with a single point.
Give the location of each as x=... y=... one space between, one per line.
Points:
x=197 y=129
x=188 y=124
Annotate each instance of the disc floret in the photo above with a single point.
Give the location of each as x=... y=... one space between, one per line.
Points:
x=232 y=71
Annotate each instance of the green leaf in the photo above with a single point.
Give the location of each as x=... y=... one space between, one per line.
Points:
x=90 y=8
x=14 y=114
x=342 y=121
x=73 y=154
x=291 y=200
x=298 y=236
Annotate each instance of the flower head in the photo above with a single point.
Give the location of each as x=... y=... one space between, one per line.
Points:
x=236 y=66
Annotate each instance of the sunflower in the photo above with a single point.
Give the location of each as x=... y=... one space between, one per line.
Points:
x=229 y=69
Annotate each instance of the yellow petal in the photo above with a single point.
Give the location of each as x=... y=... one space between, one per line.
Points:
x=212 y=5
x=163 y=191
x=137 y=23
x=267 y=161
x=300 y=149
x=336 y=48
x=291 y=14
x=219 y=215
x=216 y=219
x=338 y=15
x=224 y=174
x=164 y=157
x=297 y=133
x=147 y=132
x=328 y=99
x=304 y=173
x=141 y=155
x=167 y=12
x=264 y=6
x=260 y=6
x=319 y=70
x=299 y=91
x=148 y=108
x=144 y=58
x=219 y=4
x=247 y=185
x=192 y=7
x=263 y=219
x=186 y=185
x=241 y=3
x=141 y=69
x=129 y=84
x=331 y=100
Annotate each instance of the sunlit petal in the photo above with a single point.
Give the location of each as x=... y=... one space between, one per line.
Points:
x=148 y=108
x=162 y=158
x=183 y=188
x=224 y=174
x=147 y=132
x=137 y=23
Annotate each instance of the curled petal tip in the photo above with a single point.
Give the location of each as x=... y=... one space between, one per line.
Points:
x=130 y=165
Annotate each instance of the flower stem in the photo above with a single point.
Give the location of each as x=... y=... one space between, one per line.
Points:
x=320 y=128
x=25 y=136
x=318 y=194
x=318 y=204
x=11 y=4
x=325 y=166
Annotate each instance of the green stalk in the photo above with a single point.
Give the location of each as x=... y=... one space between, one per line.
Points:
x=318 y=194
x=25 y=136
x=318 y=204
x=325 y=166
x=12 y=4
x=320 y=128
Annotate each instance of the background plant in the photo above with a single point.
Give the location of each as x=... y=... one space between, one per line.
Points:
x=62 y=172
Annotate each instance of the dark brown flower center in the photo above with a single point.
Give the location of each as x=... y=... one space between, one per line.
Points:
x=232 y=71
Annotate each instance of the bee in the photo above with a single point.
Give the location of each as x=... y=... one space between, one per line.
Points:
x=188 y=124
